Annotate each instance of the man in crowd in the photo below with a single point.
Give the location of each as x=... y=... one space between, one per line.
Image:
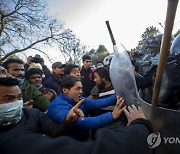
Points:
x=72 y=70
x=126 y=140
x=104 y=87
x=3 y=72
x=29 y=92
x=34 y=76
x=71 y=88
x=54 y=81
x=87 y=76
x=13 y=117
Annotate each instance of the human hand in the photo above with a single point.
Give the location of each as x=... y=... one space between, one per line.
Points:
x=42 y=62
x=75 y=113
x=29 y=60
x=49 y=95
x=117 y=109
x=132 y=113
x=28 y=104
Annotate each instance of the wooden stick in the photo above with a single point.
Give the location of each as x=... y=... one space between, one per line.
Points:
x=164 y=51
x=110 y=32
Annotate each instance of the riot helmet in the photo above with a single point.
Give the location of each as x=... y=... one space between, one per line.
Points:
x=175 y=47
x=107 y=59
x=153 y=44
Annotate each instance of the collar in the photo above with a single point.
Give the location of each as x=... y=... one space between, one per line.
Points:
x=89 y=69
x=40 y=86
x=67 y=98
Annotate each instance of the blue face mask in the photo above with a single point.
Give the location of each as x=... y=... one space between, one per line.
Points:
x=20 y=80
x=11 y=113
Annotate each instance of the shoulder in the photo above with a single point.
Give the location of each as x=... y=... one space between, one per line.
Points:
x=31 y=112
x=59 y=101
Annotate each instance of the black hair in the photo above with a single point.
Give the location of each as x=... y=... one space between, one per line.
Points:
x=32 y=71
x=99 y=61
x=69 y=81
x=12 y=60
x=9 y=82
x=86 y=57
x=68 y=68
x=103 y=73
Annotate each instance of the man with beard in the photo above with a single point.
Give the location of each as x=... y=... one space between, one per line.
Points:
x=31 y=95
x=104 y=87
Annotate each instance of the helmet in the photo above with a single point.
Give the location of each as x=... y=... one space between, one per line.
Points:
x=175 y=47
x=152 y=42
x=155 y=42
x=107 y=59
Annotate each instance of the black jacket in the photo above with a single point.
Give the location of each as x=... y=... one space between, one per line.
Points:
x=87 y=79
x=35 y=121
x=52 y=82
x=127 y=140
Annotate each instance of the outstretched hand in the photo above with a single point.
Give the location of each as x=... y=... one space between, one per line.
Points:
x=118 y=108
x=133 y=113
x=75 y=113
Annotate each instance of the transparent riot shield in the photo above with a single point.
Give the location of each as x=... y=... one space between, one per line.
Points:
x=167 y=123
x=122 y=77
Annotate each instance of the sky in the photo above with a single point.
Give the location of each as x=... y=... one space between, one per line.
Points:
x=128 y=19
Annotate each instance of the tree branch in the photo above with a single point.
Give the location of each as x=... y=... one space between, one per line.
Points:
x=21 y=50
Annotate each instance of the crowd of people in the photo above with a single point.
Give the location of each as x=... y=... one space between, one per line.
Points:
x=76 y=109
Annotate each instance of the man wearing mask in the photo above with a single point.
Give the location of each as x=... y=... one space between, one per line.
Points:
x=30 y=93
x=13 y=117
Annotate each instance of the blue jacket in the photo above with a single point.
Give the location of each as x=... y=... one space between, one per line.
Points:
x=61 y=105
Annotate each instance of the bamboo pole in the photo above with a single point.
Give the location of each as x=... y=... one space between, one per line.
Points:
x=165 y=45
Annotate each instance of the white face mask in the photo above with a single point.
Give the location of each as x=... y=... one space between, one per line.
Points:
x=11 y=113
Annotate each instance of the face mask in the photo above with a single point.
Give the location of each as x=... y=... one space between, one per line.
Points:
x=11 y=113
x=21 y=81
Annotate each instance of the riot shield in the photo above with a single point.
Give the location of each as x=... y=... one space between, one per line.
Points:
x=167 y=123
x=122 y=77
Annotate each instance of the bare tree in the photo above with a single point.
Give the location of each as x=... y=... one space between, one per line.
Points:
x=25 y=24
x=74 y=50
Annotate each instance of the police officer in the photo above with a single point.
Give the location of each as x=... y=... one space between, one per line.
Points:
x=169 y=96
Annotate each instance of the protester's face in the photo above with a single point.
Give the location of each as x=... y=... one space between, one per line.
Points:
x=74 y=92
x=9 y=94
x=87 y=63
x=97 y=78
x=16 y=70
x=35 y=79
x=58 y=71
x=100 y=82
x=75 y=72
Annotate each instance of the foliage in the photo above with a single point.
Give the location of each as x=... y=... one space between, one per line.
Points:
x=26 y=26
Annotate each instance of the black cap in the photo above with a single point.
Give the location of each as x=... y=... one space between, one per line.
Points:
x=58 y=64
